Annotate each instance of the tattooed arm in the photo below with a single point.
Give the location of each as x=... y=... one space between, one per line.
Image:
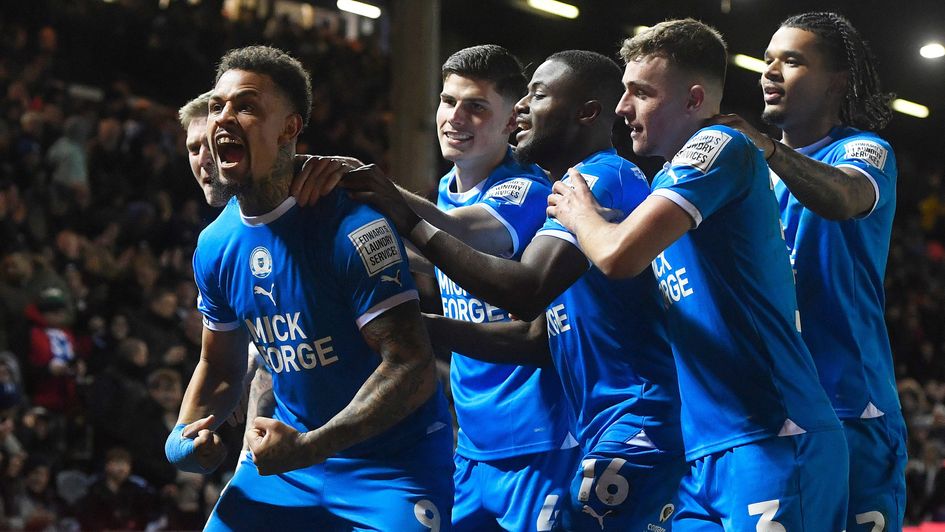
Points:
x=403 y=381
x=831 y=192
x=261 y=400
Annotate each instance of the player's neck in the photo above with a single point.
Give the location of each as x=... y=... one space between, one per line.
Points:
x=805 y=134
x=558 y=168
x=266 y=194
x=471 y=173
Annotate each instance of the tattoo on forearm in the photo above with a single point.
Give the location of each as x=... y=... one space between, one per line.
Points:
x=401 y=383
x=820 y=187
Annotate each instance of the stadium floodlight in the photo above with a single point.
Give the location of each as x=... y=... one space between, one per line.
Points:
x=749 y=63
x=359 y=8
x=910 y=108
x=933 y=50
x=555 y=8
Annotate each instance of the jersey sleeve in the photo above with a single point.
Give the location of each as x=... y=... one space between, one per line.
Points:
x=873 y=157
x=607 y=188
x=371 y=265
x=217 y=313
x=713 y=169
x=519 y=204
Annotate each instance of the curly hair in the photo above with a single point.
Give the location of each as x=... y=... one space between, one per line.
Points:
x=285 y=71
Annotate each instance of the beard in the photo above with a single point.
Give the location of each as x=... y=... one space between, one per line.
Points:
x=772 y=117
x=538 y=149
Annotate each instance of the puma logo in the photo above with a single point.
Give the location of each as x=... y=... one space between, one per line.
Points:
x=394 y=279
x=258 y=290
x=600 y=518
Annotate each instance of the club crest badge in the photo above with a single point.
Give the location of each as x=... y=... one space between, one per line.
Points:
x=260 y=262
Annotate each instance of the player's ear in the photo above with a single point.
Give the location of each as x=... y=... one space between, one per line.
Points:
x=510 y=124
x=696 y=98
x=291 y=128
x=589 y=111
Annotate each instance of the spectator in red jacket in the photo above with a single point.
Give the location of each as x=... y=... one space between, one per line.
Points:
x=54 y=361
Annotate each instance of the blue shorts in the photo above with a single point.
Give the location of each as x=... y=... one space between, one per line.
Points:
x=877 y=473
x=520 y=493
x=408 y=489
x=798 y=482
x=622 y=487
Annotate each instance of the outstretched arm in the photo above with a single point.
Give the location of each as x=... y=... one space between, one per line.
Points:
x=547 y=267
x=511 y=342
x=618 y=250
x=831 y=192
x=403 y=381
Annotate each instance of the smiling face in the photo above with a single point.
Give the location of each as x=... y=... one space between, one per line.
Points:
x=473 y=122
x=547 y=115
x=654 y=106
x=249 y=120
x=799 y=87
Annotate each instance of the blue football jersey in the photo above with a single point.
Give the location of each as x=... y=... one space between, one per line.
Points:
x=839 y=268
x=303 y=282
x=744 y=371
x=608 y=337
x=503 y=410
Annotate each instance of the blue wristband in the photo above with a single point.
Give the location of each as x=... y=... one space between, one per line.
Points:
x=180 y=451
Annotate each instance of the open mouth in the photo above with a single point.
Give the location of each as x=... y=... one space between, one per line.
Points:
x=230 y=150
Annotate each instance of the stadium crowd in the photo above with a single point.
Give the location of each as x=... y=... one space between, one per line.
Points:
x=98 y=221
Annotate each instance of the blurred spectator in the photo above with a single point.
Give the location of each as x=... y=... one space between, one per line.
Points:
x=68 y=160
x=117 y=500
x=925 y=485
x=153 y=420
x=55 y=362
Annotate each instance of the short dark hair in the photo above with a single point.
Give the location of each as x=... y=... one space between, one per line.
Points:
x=597 y=76
x=489 y=62
x=864 y=105
x=686 y=43
x=119 y=454
x=285 y=71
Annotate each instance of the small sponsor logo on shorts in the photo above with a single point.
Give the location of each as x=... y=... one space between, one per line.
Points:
x=666 y=512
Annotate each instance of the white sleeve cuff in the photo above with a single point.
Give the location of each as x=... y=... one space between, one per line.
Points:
x=682 y=202
x=385 y=305
x=872 y=182
x=507 y=225
x=220 y=327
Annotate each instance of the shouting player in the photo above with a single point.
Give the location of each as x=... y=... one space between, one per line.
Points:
x=358 y=438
